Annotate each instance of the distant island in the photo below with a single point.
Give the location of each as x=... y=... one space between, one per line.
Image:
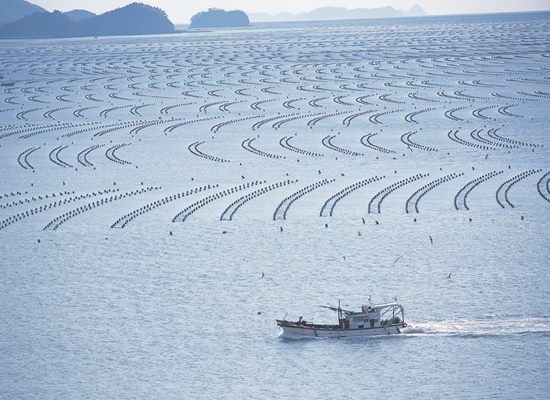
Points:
x=134 y=19
x=218 y=18
x=334 y=13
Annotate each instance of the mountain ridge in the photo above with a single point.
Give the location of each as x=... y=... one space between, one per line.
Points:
x=335 y=13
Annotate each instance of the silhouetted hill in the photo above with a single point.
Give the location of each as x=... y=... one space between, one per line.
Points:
x=79 y=15
x=12 y=10
x=134 y=19
x=217 y=18
x=40 y=25
x=415 y=11
x=332 y=13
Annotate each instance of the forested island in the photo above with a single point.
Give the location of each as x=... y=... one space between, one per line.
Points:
x=218 y=18
x=134 y=19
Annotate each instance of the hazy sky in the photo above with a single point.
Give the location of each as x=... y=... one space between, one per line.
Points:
x=180 y=11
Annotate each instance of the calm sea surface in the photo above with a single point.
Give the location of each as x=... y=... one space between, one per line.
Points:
x=148 y=183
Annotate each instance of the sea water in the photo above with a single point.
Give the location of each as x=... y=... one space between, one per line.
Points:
x=143 y=256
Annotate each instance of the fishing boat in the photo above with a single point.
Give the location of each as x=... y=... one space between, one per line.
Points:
x=372 y=319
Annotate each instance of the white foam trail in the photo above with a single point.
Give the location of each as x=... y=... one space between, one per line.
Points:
x=488 y=326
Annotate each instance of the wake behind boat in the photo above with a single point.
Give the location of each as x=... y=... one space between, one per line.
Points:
x=373 y=319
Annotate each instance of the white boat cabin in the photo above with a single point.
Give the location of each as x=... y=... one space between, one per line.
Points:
x=369 y=317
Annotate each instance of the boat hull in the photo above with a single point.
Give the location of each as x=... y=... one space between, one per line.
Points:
x=334 y=332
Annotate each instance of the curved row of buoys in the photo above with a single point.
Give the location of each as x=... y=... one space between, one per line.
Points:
x=502 y=191
x=284 y=205
x=476 y=135
x=406 y=138
x=229 y=212
x=60 y=220
x=504 y=111
x=22 y=114
x=194 y=149
x=507 y=97
x=127 y=218
x=327 y=142
x=375 y=204
x=41 y=129
x=28 y=200
x=453 y=135
x=450 y=113
x=280 y=122
x=284 y=142
x=259 y=124
x=478 y=112
x=480 y=84
x=348 y=119
x=136 y=129
x=449 y=96
x=90 y=126
x=415 y=96
x=247 y=145
x=410 y=116
x=311 y=123
x=412 y=202
x=543 y=186
x=537 y=93
x=82 y=156
x=49 y=113
x=205 y=107
x=223 y=107
x=374 y=118
x=190 y=209
x=217 y=127
x=165 y=110
x=313 y=102
x=192 y=121
x=104 y=113
x=384 y=97
x=366 y=141
x=22 y=159
x=19 y=216
x=110 y=153
x=123 y=125
x=461 y=94
x=460 y=198
x=338 y=100
x=287 y=104
x=54 y=157
x=514 y=143
x=330 y=203
x=256 y=105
